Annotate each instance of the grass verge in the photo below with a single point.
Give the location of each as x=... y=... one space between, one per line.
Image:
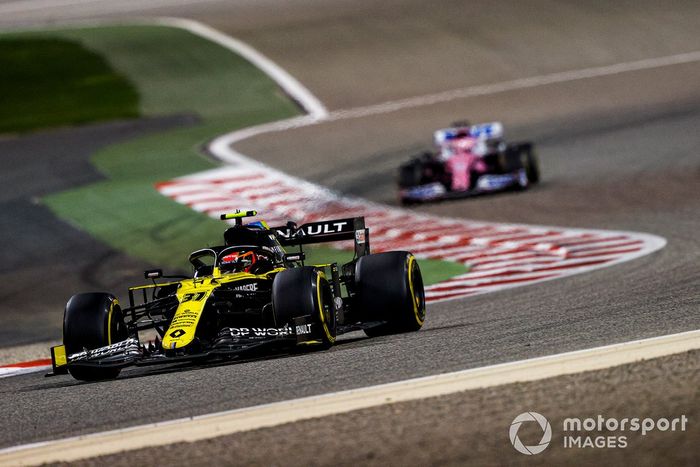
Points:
x=49 y=82
x=433 y=271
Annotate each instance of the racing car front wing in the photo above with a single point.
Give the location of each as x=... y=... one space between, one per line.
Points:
x=487 y=183
x=229 y=343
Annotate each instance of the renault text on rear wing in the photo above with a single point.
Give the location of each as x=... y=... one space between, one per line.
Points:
x=352 y=228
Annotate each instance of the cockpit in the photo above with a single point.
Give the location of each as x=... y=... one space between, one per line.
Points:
x=242 y=258
x=249 y=248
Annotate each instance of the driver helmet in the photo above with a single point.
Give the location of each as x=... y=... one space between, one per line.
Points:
x=464 y=145
x=239 y=261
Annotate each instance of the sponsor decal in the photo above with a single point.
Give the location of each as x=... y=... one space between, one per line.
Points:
x=252 y=287
x=495 y=182
x=316 y=228
x=430 y=190
x=303 y=329
x=260 y=332
x=360 y=236
x=184 y=319
x=126 y=347
x=487 y=130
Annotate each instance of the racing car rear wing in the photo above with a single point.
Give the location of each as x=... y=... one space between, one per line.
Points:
x=351 y=228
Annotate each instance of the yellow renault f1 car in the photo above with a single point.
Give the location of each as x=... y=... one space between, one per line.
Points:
x=246 y=296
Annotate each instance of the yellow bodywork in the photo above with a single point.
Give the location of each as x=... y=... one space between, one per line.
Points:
x=58 y=356
x=193 y=295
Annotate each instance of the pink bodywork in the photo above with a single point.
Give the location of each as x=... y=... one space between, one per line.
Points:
x=462 y=162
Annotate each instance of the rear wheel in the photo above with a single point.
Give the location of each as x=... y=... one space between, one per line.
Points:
x=305 y=291
x=390 y=289
x=90 y=321
x=520 y=156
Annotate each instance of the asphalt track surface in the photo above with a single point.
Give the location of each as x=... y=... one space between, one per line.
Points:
x=616 y=152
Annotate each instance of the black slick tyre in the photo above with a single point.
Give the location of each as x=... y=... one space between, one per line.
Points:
x=389 y=288
x=532 y=169
x=90 y=321
x=305 y=291
x=411 y=174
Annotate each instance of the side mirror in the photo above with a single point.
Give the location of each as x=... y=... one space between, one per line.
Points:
x=153 y=273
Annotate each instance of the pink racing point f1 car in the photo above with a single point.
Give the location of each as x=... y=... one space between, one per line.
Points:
x=468 y=160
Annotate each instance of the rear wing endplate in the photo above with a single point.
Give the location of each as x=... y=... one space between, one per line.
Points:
x=351 y=228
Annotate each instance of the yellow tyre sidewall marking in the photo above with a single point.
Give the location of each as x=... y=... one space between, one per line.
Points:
x=414 y=298
x=327 y=331
x=109 y=320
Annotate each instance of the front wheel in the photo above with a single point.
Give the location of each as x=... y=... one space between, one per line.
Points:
x=304 y=291
x=411 y=174
x=90 y=321
x=390 y=289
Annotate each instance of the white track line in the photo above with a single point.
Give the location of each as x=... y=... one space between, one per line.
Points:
x=294 y=88
x=25 y=6
x=516 y=84
x=8 y=371
x=89 y=7
x=269 y=415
